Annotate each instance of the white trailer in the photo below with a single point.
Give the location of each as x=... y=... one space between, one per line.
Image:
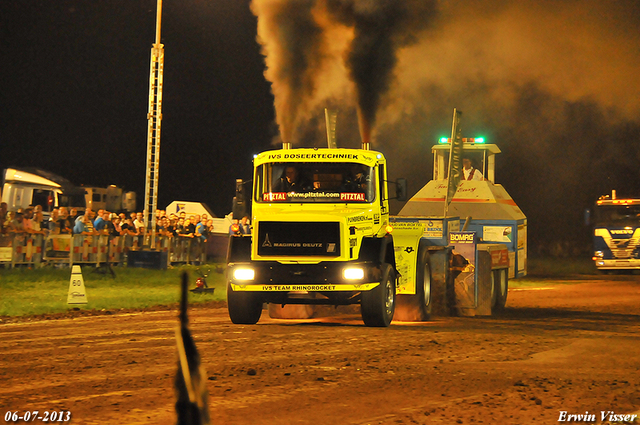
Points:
x=111 y=198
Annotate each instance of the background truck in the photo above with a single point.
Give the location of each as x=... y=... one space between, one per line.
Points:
x=331 y=240
x=616 y=233
x=26 y=187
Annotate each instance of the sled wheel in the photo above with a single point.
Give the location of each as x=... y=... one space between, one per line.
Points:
x=501 y=289
x=495 y=278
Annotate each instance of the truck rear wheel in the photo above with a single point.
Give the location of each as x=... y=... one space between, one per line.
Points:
x=423 y=289
x=378 y=304
x=245 y=308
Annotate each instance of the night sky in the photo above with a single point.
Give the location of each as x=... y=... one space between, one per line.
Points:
x=554 y=84
x=75 y=85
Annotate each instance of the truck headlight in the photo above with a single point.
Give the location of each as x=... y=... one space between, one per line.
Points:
x=244 y=274
x=353 y=273
x=598 y=254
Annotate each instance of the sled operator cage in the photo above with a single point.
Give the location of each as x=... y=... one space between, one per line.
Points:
x=484 y=156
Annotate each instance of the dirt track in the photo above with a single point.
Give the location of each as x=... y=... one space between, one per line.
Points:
x=574 y=348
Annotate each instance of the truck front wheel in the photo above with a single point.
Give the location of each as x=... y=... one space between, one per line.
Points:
x=245 y=308
x=378 y=304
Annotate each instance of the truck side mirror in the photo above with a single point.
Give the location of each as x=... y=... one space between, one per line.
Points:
x=401 y=189
x=240 y=206
x=587 y=217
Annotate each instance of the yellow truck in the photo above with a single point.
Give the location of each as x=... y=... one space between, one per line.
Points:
x=322 y=234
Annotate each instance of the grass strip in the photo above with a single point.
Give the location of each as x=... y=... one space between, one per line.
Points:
x=25 y=292
x=28 y=292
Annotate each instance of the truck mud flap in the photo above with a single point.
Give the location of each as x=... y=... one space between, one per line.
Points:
x=377 y=250
x=239 y=249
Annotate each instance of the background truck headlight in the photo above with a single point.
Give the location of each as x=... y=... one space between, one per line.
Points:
x=353 y=273
x=244 y=274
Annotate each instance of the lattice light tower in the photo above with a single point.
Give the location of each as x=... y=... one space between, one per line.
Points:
x=154 y=118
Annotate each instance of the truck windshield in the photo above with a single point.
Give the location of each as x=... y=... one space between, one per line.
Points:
x=621 y=215
x=323 y=182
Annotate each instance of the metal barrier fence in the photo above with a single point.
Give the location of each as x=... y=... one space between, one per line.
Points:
x=36 y=250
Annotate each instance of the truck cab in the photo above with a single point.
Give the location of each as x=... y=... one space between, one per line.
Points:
x=333 y=190
x=26 y=187
x=616 y=233
x=321 y=235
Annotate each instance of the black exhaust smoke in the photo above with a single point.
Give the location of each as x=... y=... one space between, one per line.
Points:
x=381 y=27
x=291 y=43
x=297 y=45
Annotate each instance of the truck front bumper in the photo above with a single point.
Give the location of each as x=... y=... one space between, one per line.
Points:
x=291 y=277
x=617 y=264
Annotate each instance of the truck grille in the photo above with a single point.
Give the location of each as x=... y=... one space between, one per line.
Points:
x=623 y=248
x=277 y=238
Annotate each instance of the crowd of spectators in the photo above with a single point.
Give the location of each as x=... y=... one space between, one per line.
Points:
x=102 y=222
x=29 y=220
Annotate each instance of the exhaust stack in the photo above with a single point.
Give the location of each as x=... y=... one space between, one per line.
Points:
x=365 y=131
x=331 y=119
